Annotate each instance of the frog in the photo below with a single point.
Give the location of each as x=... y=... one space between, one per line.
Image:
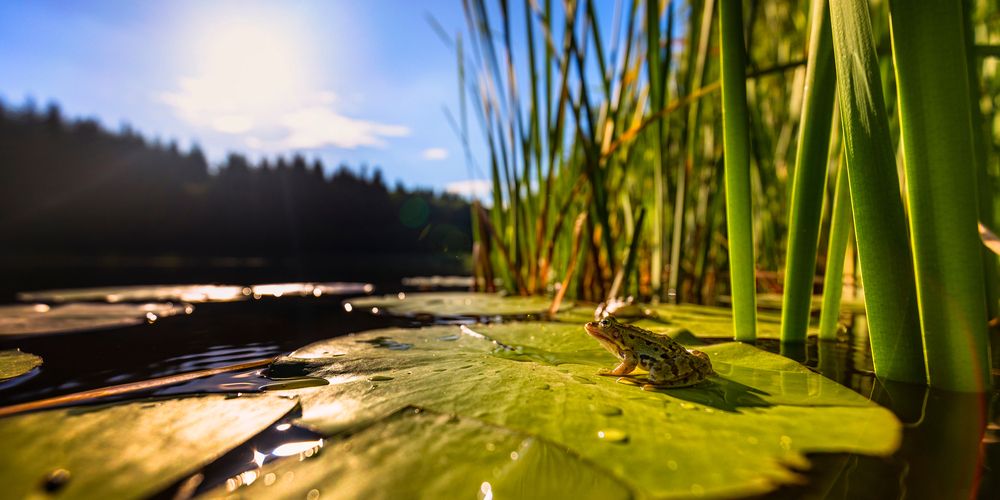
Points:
x=670 y=365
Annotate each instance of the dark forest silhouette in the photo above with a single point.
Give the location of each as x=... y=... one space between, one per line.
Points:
x=70 y=187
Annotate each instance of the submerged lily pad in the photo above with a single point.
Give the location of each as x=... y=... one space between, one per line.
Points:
x=39 y=319
x=130 y=450
x=737 y=433
x=14 y=363
x=452 y=304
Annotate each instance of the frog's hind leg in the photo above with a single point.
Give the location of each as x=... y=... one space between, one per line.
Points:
x=628 y=364
x=705 y=360
x=657 y=382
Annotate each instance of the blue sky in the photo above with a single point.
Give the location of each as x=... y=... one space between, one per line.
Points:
x=346 y=81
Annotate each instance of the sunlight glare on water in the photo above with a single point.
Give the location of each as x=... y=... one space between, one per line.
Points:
x=304 y=448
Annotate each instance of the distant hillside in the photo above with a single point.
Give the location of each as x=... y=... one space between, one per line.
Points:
x=73 y=188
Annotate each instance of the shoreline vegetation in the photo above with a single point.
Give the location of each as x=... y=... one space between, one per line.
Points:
x=71 y=187
x=601 y=122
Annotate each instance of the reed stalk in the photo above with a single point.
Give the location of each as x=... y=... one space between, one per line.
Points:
x=980 y=138
x=735 y=123
x=879 y=221
x=936 y=125
x=833 y=278
x=696 y=78
x=656 y=98
x=809 y=181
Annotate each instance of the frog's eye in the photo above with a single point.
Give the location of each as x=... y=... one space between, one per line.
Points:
x=605 y=323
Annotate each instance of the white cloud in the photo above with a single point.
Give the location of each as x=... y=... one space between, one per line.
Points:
x=471 y=188
x=435 y=154
x=232 y=124
x=251 y=83
x=319 y=126
x=299 y=123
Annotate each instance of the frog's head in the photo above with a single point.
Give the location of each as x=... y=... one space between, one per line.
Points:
x=609 y=333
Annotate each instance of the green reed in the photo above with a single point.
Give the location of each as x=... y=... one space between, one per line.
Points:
x=735 y=125
x=938 y=152
x=806 y=202
x=591 y=120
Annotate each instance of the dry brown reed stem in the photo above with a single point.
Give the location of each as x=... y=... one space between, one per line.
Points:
x=115 y=390
x=484 y=219
x=634 y=131
x=571 y=268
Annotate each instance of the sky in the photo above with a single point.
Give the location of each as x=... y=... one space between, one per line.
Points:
x=348 y=82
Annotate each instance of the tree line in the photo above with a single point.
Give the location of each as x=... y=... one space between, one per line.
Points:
x=71 y=187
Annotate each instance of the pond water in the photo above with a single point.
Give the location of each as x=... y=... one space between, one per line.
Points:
x=949 y=447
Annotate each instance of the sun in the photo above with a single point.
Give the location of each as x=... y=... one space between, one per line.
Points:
x=247 y=71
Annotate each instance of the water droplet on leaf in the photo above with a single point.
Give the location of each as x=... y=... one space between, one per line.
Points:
x=56 y=479
x=612 y=435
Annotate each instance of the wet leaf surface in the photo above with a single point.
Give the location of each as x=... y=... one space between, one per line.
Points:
x=140 y=293
x=40 y=319
x=702 y=321
x=431 y=282
x=14 y=363
x=415 y=453
x=453 y=304
x=128 y=450
x=741 y=432
x=773 y=301
x=193 y=293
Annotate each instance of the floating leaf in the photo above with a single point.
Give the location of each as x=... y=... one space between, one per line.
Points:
x=772 y=301
x=702 y=321
x=736 y=433
x=140 y=293
x=129 y=450
x=306 y=289
x=14 y=363
x=452 y=304
x=193 y=293
x=420 y=454
x=38 y=319
x=429 y=282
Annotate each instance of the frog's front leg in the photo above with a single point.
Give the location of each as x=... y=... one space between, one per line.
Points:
x=628 y=364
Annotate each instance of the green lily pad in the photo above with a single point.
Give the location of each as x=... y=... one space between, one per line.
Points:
x=415 y=453
x=773 y=301
x=130 y=450
x=703 y=321
x=431 y=282
x=737 y=433
x=709 y=321
x=40 y=319
x=14 y=363
x=452 y=304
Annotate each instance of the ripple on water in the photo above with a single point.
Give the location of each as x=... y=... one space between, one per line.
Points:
x=387 y=343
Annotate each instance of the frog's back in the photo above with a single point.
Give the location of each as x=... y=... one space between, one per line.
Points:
x=656 y=341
